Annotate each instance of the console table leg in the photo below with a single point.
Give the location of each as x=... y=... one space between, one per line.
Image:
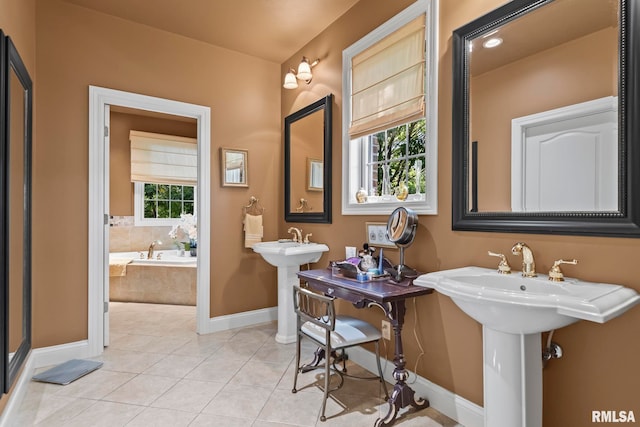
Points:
x=402 y=395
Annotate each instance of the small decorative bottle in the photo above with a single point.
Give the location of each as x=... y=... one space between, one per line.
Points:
x=402 y=191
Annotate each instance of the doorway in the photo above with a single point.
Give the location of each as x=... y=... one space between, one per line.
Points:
x=100 y=102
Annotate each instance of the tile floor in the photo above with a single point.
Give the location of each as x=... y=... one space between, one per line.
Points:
x=159 y=372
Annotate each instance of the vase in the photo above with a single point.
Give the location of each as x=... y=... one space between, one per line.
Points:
x=193 y=247
x=361 y=195
x=386 y=180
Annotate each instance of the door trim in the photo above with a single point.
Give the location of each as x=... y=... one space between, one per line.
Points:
x=98 y=200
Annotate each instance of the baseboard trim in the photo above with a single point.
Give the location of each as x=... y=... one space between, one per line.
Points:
x=241 y=320
x=450 y=404
x=39 y=357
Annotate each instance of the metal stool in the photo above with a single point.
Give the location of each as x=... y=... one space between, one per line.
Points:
x=317 y=321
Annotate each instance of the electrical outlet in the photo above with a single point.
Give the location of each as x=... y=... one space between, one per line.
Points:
x=386 y=330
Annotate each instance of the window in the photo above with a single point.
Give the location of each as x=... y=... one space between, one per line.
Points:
x=390 y=116
x=162 y=204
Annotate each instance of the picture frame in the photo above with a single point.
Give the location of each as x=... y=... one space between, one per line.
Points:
x=377 y=235
x=234 y=167
x=315 y=174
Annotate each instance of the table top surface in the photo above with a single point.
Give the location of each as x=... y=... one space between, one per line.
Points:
x=379 y=290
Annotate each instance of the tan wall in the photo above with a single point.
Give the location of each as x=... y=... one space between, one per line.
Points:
x=120 y=186
x=78 y=48
x=514 y=91
x=599 y=369
x=18 y=21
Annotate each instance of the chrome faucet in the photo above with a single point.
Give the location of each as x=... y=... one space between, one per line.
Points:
x=528 y=264
x=151 y=247
x=297 y=234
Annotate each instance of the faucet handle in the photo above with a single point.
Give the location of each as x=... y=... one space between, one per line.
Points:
x=555 y=274
x=306 y=237
x=503 y=266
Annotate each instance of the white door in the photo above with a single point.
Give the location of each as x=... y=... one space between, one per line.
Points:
x=107 y=130
x=568 y=161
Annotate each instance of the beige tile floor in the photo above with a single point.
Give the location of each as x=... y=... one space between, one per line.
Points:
x=159 y=372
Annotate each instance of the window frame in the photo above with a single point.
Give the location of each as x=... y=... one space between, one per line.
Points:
x=352 y=154
x=138 y=207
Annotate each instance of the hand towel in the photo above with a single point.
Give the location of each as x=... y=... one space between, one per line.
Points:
x=118 y=267
x=253 y=230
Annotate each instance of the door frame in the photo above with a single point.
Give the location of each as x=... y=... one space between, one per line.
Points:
x=99 y=99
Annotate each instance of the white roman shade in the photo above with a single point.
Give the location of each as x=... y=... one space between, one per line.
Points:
x=388 y=81
x=163 y=159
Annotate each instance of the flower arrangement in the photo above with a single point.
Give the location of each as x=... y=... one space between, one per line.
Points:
x=188 y=224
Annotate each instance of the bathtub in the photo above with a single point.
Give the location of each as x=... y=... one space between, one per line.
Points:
x=171 y=279
x=166 y=258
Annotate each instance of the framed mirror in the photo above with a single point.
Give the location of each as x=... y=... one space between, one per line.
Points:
x=16 y=213
x=234 y=167
x=307 y=163
x=545 y=129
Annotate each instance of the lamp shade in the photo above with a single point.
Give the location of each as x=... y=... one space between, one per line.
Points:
x=304 y=70
x=290 y=81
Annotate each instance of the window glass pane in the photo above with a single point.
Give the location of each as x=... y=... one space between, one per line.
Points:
x=176 y=192
x=163 y=209
x=188 y=192
x=149 y=209
x=176 y=208
x=150 y=191
x=163 y=192
x=188 y=208
x=416 y=137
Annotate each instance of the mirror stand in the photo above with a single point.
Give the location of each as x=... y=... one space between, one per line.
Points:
x=401 y=230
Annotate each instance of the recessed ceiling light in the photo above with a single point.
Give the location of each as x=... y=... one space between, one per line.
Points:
x=492 y=42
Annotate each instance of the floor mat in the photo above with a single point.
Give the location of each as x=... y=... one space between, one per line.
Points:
x=68 y=371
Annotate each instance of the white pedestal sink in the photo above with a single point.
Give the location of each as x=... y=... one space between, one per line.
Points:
x=514 y=311
x=288 y=257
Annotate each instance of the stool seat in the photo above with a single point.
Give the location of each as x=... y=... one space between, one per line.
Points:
x=348 y=331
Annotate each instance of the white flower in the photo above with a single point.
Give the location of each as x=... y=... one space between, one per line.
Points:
x=188 y=224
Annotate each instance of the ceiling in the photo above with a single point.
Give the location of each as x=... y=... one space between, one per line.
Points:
x=270 y=29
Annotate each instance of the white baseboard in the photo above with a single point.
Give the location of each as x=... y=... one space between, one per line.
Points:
x=37 y=358
x=442 y=400
x=241 y=320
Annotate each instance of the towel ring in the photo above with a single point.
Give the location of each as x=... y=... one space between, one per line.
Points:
x=253 y=208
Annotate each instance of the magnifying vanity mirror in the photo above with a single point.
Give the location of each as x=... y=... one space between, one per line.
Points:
x=15 y=234
x=307 y=162
x=401 y=230
x=545 y=129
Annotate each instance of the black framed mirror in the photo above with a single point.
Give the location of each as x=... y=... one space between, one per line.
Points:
x=508 y=100
x=307 y=163
x=17 y=102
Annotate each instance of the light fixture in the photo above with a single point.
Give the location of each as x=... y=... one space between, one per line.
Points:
x=492 y=42
x=303 y=73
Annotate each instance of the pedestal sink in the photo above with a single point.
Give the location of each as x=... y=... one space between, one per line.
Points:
x=288 y=257
x=513 y=311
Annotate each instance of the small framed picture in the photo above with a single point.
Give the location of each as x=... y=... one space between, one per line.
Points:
x=377 y=235
x=314 y=174
x=233 y=164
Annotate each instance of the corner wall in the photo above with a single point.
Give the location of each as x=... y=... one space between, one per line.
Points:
x=599 y=369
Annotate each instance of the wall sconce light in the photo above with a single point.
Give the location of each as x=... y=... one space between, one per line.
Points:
x=303 y=73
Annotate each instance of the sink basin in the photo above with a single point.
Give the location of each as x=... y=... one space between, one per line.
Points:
x=288 y=256
x=514 y=304
x=514 y=311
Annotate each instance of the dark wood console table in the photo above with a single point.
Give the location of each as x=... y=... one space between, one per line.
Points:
x=391 y=299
